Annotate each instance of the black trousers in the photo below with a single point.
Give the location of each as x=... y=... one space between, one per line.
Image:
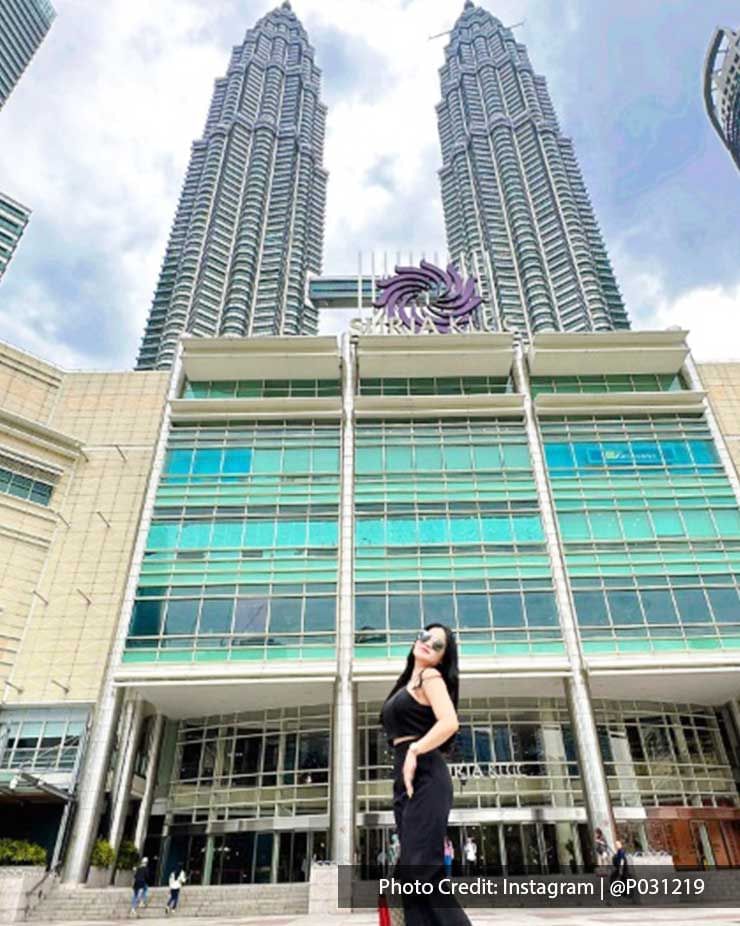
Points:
x=421 y=822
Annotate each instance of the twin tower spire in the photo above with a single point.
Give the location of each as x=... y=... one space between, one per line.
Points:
x=249 y=225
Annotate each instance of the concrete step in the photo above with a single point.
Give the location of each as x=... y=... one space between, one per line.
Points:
x=82 y=903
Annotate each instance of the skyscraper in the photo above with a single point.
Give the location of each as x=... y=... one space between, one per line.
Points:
x=13 y=221
x=250 y=221
x=23 y=25
x=722 y=88
x=516 y=208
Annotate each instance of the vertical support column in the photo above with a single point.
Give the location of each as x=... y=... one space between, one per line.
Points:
x=126 y=758
x=93 y=779
x=145 y=808
x=343 y=715
x=578 y=697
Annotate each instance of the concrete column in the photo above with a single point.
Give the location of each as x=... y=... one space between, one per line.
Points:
x=578 y=697
x=91 y=787
x=95 y=770
x=130 y=738
x=145 y=808
x=343 y=715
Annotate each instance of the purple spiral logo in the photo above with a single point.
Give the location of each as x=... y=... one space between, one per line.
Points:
x=416 y=296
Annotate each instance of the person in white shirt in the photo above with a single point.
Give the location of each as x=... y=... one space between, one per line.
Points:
x=471 y=854
x=177 y=879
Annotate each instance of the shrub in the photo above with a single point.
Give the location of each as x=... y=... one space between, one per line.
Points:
x=20 y=852
x=128 y=856
x=102 y=854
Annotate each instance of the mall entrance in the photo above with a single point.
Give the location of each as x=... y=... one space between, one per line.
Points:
x=250 y=857
x=503 y=848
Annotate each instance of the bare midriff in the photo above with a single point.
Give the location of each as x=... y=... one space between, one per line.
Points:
x=403 y=739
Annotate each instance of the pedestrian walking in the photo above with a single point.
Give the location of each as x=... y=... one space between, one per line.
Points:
x=471 y=855
x=449 y=856
x=140 y=894
x=177 y=879
x=601 y=849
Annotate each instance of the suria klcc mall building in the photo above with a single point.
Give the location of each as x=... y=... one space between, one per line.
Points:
x=263 y=517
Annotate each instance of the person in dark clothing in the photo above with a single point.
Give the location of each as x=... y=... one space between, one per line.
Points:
x=619 y=863
x=141 y=887
x=419 y=717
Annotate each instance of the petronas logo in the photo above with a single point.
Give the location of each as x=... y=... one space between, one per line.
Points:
x=427 y=299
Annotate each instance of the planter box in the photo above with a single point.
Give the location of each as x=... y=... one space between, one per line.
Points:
x=124 y=879
x=99 y=877
x=15 y=884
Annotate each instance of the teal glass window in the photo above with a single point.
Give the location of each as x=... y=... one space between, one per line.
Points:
x=207 y=461
x=404 y=612
x=182 y=616
x=591 y=609
x=369 y=612
x=472 y=611
x=215 y=615
x=625 y=607
x=285 y=615
x=250 y=615
x=24 y=487
x=320 y=614
x=146 y=618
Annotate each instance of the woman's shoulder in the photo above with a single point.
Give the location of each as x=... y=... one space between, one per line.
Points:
x=428 y=673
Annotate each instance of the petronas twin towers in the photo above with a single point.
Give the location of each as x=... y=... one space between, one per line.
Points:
x=250 y=222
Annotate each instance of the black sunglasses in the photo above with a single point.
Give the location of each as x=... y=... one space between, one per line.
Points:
x=426 y=636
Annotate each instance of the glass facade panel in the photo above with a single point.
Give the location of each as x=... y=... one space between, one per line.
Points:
x=241 y=557
x=460 y=529
x=647 y=518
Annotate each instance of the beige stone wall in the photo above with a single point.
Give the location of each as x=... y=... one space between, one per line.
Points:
x=722 y=384
x=63 y=568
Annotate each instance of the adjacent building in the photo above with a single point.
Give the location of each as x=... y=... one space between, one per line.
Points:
x=722 y=88
x=23 y=27
x=250 y=222
x=13 y=220
x=75 y=455
x=516 y=208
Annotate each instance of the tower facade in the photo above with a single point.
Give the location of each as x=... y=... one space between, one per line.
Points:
x=250 y=221
x=13 y=220
x=23 y=26
x=722 y=88
x=517 y=211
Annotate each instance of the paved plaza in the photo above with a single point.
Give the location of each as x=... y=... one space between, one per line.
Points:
x=691 y=916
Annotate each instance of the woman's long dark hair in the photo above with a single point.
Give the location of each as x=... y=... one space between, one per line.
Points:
x=448 y=667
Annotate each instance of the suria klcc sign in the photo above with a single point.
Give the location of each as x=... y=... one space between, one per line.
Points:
x=425 y=300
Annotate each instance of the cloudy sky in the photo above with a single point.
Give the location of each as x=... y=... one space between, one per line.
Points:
x=96 y=138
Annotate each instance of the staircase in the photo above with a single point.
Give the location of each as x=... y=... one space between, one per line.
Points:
x=111 y=903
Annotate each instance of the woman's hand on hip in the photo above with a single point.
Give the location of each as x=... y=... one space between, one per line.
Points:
x=409 y=770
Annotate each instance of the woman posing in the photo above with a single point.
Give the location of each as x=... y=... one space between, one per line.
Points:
x=419 y=717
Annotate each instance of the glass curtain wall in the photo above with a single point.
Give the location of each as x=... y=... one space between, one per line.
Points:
x=241 y=557
x=651 y=532
x=448 y=529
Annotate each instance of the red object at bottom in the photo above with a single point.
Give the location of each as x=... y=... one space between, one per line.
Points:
x=384 y=914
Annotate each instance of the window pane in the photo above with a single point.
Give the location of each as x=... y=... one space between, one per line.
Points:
x=207 y=461
x=404 y=612
x=178 y=462
x=237 y=460
x=692 y=605
x=472 y=611
x=625 y=607
x=591 y=609
x=507 y=611
x=182 y=615
x=541 y=609
x=725 y=604
x=370 y=612
x=320 y=614
x=285 y=615
x=146 y=618
x=659 y=608
x=250 y=615
x=215 y=615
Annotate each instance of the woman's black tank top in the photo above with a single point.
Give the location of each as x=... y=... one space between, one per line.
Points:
x=403 y=715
